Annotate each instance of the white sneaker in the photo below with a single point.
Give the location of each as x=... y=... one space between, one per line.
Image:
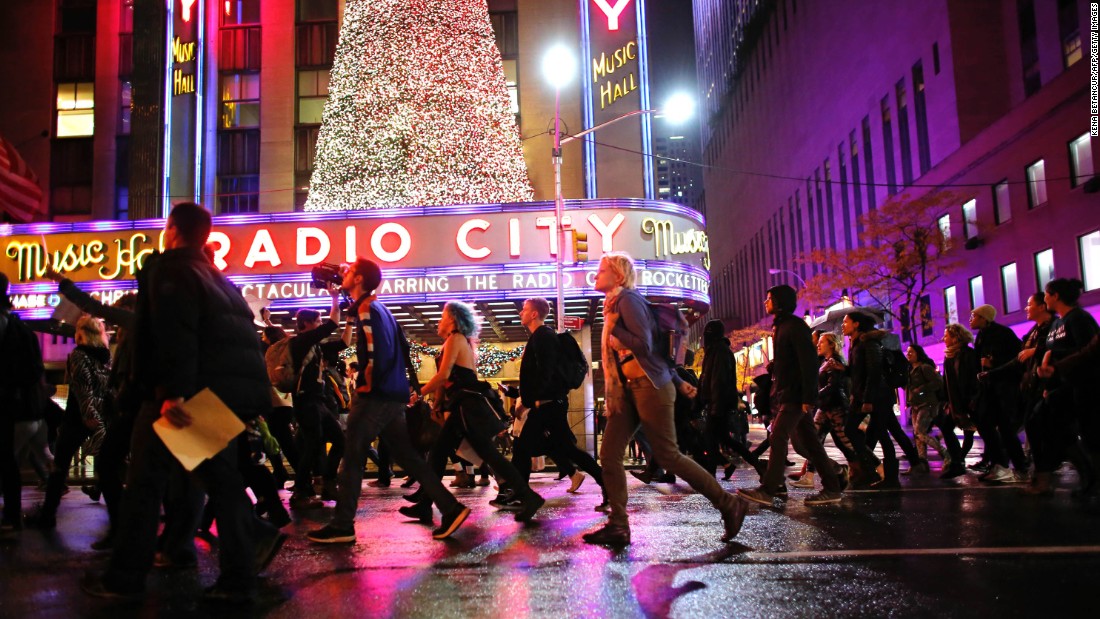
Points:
x=1020 y=478
x=576 y=479
x=1000 y=474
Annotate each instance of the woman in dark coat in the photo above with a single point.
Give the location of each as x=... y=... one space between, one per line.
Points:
x=960 y=377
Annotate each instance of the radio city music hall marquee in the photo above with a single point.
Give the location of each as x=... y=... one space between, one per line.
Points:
x=427 y=253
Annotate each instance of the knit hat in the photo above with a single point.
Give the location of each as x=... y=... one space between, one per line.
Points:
x=985 y=311
x=784 y=297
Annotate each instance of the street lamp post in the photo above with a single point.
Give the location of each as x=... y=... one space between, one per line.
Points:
x=558 y=67
x=796 y=275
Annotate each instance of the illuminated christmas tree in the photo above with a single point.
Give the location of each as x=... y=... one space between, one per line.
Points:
x=418 y=111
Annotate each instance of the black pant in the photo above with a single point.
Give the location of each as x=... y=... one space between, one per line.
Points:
x=69 y=439
x=278 y=423
x=797 y=427
x=110 y=464
x=309 y=412
x=450 y=437
x=946 y=424
x=151 y=465
x=9 y=473
x=547 y=432
x=331 y=432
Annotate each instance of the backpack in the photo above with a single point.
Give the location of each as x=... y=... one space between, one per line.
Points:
x=572 y=366
x=670 y=332
x=280 y=366
x=895 y=367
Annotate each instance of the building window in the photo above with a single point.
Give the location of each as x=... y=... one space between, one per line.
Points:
x=1044 y=267
x=1089 y=248
x=1002 y=209
x=1036 y=184
x=977 y=292
x=1010 y=288
x=950 y=305
x=1080 y=159
x=312 y=95
x=888 y=146
x=71 y=176
x=240 y=12
x=125 y=102
x=305 y=148
x=238 y=171
x=1029 y=46
x=935 y=58
x=970 y=219
x=924 y=152
x=1069 y=32
x=316 y=44
x=945 y=226
x=75 y=109
x=868 y=163
x=122 y=177
x=317 y=10
x=239 y=49
x=900 y=97
x=240 y=95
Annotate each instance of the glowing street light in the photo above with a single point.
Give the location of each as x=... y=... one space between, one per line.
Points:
x=559 y=67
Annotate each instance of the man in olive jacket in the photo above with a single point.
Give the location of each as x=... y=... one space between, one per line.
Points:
x=794 y=392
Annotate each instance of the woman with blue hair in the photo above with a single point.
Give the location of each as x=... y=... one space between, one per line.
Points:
x=469 y=411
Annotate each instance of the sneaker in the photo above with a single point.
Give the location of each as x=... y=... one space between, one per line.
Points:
x=504 y=498
x=756 y=495
x=235 y=596
x=332 y=535
x=613 y=535
x=92 y=490
x=1020 y=478
x=806 y=481
x=575 y=482
x=823 y=498
x=982 y=466
x=42 y=519
x=530 y=505
x=93 y=585
x=418 y=511
x=999 y=474
x=483 y=481
x=953 y=471
x=843 y=476
x=451 y=522
x=303 y=502
x=105 y=543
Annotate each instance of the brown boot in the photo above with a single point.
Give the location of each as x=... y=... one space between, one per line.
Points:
x=1040 y=485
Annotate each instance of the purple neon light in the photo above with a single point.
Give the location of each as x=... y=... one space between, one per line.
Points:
x=40 y=228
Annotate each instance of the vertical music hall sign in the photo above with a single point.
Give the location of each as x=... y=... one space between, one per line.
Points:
x=616 y=82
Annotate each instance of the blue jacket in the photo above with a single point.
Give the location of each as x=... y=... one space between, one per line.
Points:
x=635 y=330
x=389 y=378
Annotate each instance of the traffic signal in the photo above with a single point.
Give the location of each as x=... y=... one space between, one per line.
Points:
x=580 y=246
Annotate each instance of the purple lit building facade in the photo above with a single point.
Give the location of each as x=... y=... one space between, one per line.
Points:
x=814 y=113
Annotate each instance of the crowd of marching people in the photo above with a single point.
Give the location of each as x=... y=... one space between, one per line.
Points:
x=307 y=409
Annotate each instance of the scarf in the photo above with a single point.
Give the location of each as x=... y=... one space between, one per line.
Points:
x=366 y=369
x=613 y=383
x=951 y=351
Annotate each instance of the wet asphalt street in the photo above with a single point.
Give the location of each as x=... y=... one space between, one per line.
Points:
x=935 y=549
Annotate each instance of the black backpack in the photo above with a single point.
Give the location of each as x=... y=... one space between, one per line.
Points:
x=895 y=367
x=670 y=332
x=573 y=365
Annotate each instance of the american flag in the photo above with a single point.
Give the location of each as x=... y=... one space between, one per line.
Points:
x=20 y=195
